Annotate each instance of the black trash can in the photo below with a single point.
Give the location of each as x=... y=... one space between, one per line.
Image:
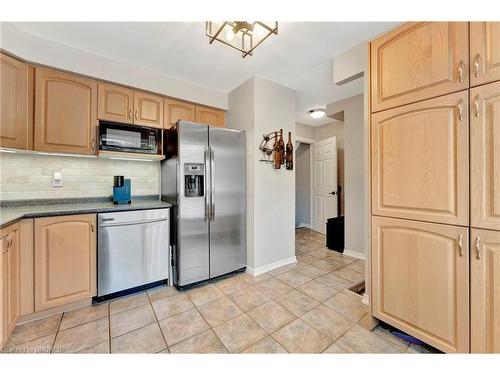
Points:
x=335 y=234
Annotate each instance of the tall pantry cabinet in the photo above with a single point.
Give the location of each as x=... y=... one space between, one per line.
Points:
x=435 y=191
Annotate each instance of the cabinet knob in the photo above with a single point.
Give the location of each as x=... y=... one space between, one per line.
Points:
x=461 y=70
x=460 y=245
x=477 y=247
x=477 y=71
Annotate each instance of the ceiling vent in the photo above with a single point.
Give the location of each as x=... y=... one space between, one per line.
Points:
x=350 y=65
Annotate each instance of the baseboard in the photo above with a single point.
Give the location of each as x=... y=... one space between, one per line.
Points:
x=354 y=254
x=366 y=299
x=263 y=269
x=304 y=225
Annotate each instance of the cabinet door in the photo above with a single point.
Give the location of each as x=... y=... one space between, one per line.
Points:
x=418 y=61
x=210 y=116
x=148 y=109
x=420 y=161
x=116 y=103
x=176 y=110
x=65 y=260
x=65 y=112
x=485 y=291
x=485 y=156
x=484 y=52
x=420 y=280
x=14 y=103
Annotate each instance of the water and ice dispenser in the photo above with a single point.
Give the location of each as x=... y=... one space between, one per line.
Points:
x=194 y=175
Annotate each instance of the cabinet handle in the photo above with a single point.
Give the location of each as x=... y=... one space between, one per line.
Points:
x=92 y=226
x=476 y=105
x=92 y=144
x=9 y=243
x=460 y=246
x=135 y=114
x=5 y=247
x=477 y=71
x=130 y=114
x=477 y=247
x=461 y=69
x=460 y=110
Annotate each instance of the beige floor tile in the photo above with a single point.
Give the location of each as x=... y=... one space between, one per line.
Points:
x=305 y=248
x=252 y=280
x=34 y=330
x=283 y=269
x=343 y=260
x=334 y=349
x=249 y=298
x=231 y=284
x=328 y=322
x=300 y=337
x=319 y=253
x=388 y=336
x=131 y=319
x=84 y=315
x=293 y=278
x=311 y=271
x=304 y=258
x=148 y=339
x=317 y=291
x=170 y=306
x=81 y=337
x=368 y=322
x=118 y=305
x=42 y=345
x=182 y=326
x=335 y=282
x=204 y=294
x=327 y=266
x=102 y=348
x=271 y=316
x=165 y=351
x=205 y=342
x=273 y=288
x=268 y=345
x=296 y=302
x=162 y=292
x=349 y=274
x=358 y=266
x=348 y=304
x=219 y=311
x=360 y=340
x=239 y=333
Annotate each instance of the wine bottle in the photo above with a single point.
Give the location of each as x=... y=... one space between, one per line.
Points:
x=276 y=154
x=289 y=153
x=282 y=148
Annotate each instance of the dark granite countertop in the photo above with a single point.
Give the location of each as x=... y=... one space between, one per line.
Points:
x=13 y=213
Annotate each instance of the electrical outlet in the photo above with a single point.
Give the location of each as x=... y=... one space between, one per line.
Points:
x=58 y=180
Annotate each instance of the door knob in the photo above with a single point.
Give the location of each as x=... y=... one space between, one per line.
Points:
x=333 y=192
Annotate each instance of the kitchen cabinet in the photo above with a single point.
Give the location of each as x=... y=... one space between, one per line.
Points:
x=176 y=110
x=485 y=291
x=9 y=281
x=484 y=52
x=420 y=275
x=210 y=116
x=65 y=112
x=485 y=156
x=65 y=260
x=14 y=119
x=116 y=103
x=420 y=161
x=148 y=109
x=417 y=61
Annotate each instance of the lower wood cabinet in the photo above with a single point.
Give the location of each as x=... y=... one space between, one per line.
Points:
x=65 y=260
x=420 y=280
x=485 y=291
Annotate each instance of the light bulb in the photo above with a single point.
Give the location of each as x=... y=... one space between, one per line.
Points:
x=230 y=35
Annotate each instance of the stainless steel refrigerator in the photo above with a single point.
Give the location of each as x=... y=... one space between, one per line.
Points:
x=203 y=175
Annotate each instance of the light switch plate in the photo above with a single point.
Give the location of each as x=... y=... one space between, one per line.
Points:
x=58 y=180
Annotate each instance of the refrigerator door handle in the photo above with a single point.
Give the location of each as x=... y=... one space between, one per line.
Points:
x=212 y=184
x=207 y=202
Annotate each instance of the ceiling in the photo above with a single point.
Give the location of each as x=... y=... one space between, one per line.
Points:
x=299 y=57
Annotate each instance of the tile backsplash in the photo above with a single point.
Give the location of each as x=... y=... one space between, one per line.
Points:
x=29 y=176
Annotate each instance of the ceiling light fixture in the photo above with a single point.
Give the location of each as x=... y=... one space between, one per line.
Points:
x=316 y=113
x=244 y=36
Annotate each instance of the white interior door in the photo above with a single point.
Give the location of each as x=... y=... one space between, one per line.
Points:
x=324 y=183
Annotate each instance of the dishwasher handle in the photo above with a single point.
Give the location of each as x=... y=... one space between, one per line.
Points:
x=123 y=223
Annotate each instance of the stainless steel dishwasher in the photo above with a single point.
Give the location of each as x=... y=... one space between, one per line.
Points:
x=133 y=249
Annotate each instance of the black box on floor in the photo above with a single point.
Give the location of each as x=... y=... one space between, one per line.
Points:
x=335 y=234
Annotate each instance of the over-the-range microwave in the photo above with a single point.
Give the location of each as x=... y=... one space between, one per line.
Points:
x=129 y=138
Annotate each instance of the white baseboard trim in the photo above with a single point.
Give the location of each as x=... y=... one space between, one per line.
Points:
x=304 y=225
x=354 y=254
x=263 y=269
x=366 y=299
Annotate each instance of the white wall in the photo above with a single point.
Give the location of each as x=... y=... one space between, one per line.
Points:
x=259 y=107
x=46 y=52
x=303 y=185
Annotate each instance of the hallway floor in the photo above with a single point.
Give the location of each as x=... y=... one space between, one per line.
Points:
x=304 y=307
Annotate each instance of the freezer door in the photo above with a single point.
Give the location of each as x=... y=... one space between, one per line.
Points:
x=192 y=253
x=228 y=201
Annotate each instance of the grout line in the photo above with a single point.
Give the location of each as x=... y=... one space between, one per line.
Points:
x=109 y=328
x=57 y=333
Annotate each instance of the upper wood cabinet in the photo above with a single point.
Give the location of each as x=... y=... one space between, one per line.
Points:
x=65 y=260
x=484 y=52
x=485 y=291
x=148 y=109
x=417 y=61
x=176 y=110
x=14 y=126
x=65 y=112
x=485 y=156
x=116 y=103
x=420 y=280
x=210 y=116
x=420 y=161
